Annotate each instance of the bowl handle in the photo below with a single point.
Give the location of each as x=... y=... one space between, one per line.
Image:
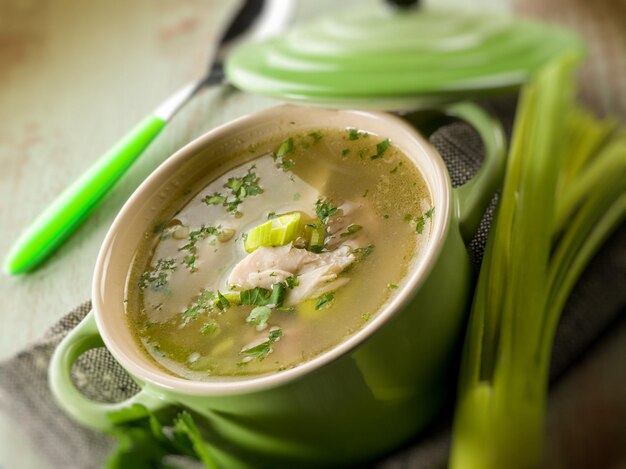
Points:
x=473 y=197
x=87 y=412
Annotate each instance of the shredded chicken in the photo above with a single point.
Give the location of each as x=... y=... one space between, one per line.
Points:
x=317 y=273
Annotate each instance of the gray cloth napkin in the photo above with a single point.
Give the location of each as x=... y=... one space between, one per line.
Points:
x=596 y=304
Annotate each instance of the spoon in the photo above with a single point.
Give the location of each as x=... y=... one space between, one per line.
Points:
x=255 y=19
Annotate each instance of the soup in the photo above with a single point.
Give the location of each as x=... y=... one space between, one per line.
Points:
x=279 y=258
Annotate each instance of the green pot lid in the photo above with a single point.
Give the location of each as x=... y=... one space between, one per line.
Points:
x=380 y=57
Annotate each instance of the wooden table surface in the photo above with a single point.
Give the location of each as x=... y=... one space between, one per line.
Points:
x=74 y=76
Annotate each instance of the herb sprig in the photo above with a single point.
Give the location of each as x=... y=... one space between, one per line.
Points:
x=239 y=189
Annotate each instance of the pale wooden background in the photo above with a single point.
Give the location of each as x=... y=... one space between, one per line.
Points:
x=74 y=76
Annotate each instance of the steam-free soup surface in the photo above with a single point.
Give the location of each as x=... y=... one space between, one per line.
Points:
x=364 y=213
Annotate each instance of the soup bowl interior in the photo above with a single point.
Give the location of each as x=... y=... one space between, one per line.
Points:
x=181 y=176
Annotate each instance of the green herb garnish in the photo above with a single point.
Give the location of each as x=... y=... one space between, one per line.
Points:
x=263 y=349
x=325 y=300
x=354 y=134
x=351 y=230
x=240 y=188
x=204 y=304
x=159 y=275
x=259 y=316
x=263 y=297
x=292 y=282
x=362 y=253
x=286 y=147
x=209 y=328
x=191 y=246
x=316 y=136
x=345 y=151
x=381 y=148
x=324 y=210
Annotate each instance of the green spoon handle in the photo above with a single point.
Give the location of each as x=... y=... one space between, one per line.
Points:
x=74 y=204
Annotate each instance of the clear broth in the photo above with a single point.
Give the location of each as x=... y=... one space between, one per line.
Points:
x=389 y=199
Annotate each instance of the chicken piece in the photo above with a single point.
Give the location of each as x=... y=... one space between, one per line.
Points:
x=317 y=273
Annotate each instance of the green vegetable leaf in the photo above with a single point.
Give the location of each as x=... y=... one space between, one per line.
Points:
x=256 y=296
x=278 y=295
x=209 y=328
x=215 y=199
x=351 y=230
x=316 y=136
x=325 y=300
x=354 y=134
x=262 y=296
x=324 y=210
x=145 y=442
x=292 y=282
x=221 y=301
x=362 y=253
x=286 y=147
x=259 y=316
x=381 y=148
x=260 y=351
x=185 y=430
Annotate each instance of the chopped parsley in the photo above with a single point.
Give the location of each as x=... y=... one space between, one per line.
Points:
x=324 y=210
x=286 y=147
x=191 y=246
x=204 y=304
x=354 y=134
x=292 y=282
x=345 y=152
x=381 y=148
x=263 y=297
x=259 y=316
x=209 y=328
x=352 y=228
x=239 y=188
x=366 y=316
x=262 y=350
x=324 y=300
x=362 y=253
x=158 y=276
x=190 y=262
x=392 y=286
x=271 y=215
x=316 y=136
x=286 y=164
x=280 y=156
x=365 y=192
x=221 y=301
x=420 y=221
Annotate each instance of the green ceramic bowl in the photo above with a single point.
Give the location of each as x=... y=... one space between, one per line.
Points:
x=358 y=400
